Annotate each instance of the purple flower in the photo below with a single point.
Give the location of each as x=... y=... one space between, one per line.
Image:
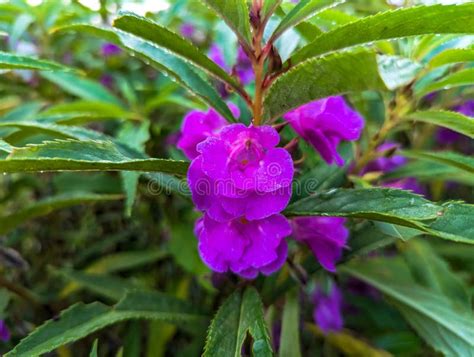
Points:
x=327 y=309
x=217 y=55
x=109 y=50
x=4 y=332
x=107 y=80
x=187 y=30
x=241 y=173
x=243 y=68
x=325 y=236
x=389 y=164
x=385 y=164
x=447 y=136
x=198 y=125
x=324 y=124
x=244 y=247
x=467 y=108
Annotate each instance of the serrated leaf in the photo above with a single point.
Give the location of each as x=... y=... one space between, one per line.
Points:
x=48 y=205
x=442 y=324
x=455 y=55
x=302 y=11
x=179 y=70
x=320 y=78
x=451 y=120
x=432 y=272
x=235 y=13
x=451 y=158
x=160 y=36
x=448 y=221
x=14 y=61
x=71 y=155
x=419 y=20
x=290 y=326
x=388 y=205
x=81 y=320
x=458 y=79
x=240 y=314
x=82 y=87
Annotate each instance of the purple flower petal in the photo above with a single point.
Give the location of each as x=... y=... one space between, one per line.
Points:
x=327 y=311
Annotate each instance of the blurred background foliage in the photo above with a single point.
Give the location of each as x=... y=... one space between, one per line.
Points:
x=129 y=232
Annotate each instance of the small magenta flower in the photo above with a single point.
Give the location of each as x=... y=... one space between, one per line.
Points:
x=217 y=55
x=325 y=236
x=389 y=164
x=243 y=67
x=327 y=309
x=198 y=126
x=4 y=332
x=109 y=50
x=244 y=247
x=324 y=124
x=241 y=173
x=187 y=30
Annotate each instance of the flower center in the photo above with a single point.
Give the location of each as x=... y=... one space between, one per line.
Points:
x=246 y=152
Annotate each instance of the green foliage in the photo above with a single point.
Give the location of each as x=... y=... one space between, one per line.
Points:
x=240 y=314
x=452 y=120
x=322 y=77
x=13 y=61
x=290 y=337
x=81 y=320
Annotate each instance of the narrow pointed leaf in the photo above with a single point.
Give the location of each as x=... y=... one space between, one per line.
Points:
x=290 y=326
x=236 y=15
x=82 y=87
x=448 y=328
x=455 y=55
x=304 y=10
x=323 y=77
x=73 y=155
x=269 y=7
x=451 y=120
x=175 y=67
x=458 y=79
x=14 y=61
x=48 y=205
x=419 y=20
x=81 y=320
x=451 y=158
x=240 y=314
x=153 y=32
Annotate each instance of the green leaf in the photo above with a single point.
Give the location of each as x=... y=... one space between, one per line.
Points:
x=304 y=10
x=447 y=327
x=451 y=158
x=323 y=77
x=84 y=111
x=290 y=326
x=160 y=36
x=93 y=352
x=458 y=79
x=454 y=223
x=109 y=286
x=432 y=272
x=14 y=61
x=48 y=205
x=81 y=320
x=455 y=55
x=397 y=71
x=179 y=70
x=71 y=155
x=382 y=204
x=236 y=15
x=82 y=87
x=451 y=120
x=419 y=20
x=238 y=316
x=269 y=7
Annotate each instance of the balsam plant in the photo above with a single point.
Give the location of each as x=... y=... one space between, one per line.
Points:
x=268 y=178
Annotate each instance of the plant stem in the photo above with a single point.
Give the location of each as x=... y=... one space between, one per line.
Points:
x=258 y=67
